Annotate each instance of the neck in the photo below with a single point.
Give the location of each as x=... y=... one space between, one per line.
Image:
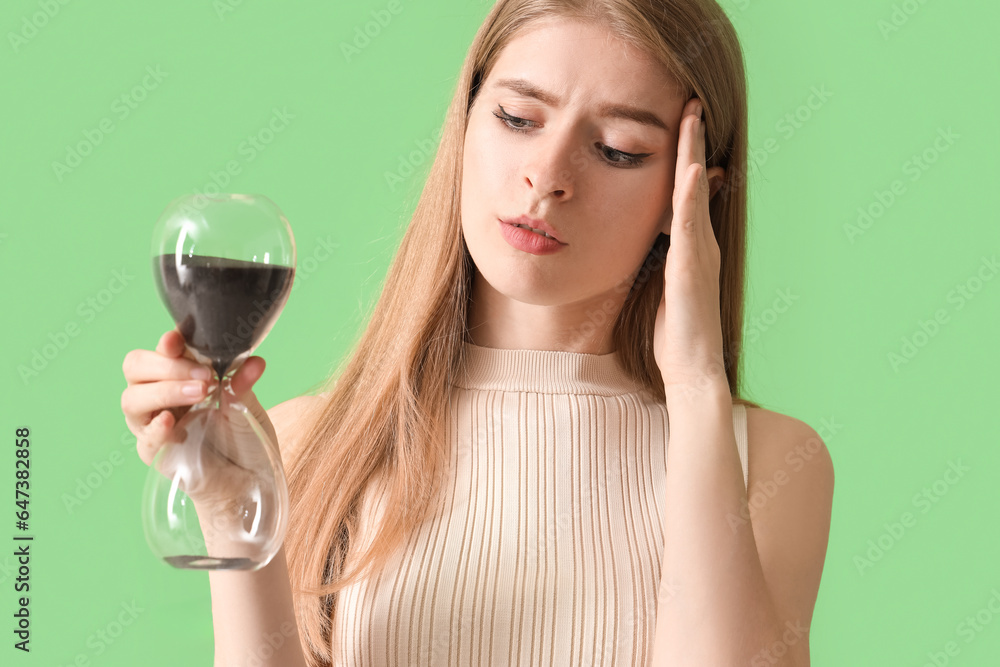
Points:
x=501 y=322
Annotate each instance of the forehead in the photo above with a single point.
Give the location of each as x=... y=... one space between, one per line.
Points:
x=576 y=59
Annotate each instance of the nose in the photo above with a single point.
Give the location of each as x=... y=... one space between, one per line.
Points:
x=550 y=168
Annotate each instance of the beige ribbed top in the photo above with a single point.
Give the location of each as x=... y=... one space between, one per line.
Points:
x=546 y=546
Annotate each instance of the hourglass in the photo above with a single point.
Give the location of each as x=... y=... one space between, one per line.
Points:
x=216 y=496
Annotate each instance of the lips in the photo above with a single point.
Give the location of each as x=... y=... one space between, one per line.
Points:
x=535 y=224
x=528 y=241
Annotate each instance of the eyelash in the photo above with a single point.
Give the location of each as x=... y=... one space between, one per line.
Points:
x=630 y=161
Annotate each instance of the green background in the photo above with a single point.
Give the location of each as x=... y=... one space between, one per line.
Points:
x=825 y=310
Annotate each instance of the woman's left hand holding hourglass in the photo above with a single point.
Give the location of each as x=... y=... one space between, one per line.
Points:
x=155 y=401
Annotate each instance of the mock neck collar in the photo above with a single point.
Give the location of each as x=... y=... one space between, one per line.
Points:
x=544 y=371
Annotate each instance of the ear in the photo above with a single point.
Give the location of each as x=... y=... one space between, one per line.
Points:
x=716 y=177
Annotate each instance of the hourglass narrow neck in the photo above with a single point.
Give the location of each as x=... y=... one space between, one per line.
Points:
x=224 y=367
x=222 y=391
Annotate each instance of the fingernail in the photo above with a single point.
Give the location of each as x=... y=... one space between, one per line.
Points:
x=201 y=373
x=192 y=389
x=699 y=111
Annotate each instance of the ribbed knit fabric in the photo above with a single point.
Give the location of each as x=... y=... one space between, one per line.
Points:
x=546 y=546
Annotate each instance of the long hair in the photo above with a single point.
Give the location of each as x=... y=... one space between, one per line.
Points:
x=383 y=413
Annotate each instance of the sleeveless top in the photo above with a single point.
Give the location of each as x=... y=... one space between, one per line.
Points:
x=546 y=543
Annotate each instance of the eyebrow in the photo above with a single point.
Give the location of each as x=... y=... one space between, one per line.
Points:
x=605 y=110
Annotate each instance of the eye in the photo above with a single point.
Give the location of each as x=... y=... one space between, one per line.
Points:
x=629 y=159
x=507 y=119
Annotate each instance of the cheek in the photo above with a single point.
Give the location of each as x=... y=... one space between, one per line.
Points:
x=630 y=218
x=634 y=206
x=472 y=178
x=481 y=170
x=480 y=204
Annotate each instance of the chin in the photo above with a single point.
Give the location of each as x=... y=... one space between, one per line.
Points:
x=520 y=284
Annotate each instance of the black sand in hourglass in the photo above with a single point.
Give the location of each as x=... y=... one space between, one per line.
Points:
x=222 y=307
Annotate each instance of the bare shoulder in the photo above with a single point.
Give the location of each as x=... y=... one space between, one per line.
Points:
x=790 y=492
x=776 y=441
x=291 y=418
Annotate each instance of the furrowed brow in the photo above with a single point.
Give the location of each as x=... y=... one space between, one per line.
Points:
x=525 y=88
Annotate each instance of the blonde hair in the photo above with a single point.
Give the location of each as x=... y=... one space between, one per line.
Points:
x=384 y=416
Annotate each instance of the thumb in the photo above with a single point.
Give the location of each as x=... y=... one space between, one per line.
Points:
x=249 y=373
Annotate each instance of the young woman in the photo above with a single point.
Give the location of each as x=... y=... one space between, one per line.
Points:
x=537 y=452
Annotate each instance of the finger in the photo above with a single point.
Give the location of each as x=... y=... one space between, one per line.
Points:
x=707 y=233
x=163 y=429
x=148 y=366
x=247 y=375
x=685 y=222
x=686 y=149
x=171 y=344
x=141 y=401
x=154 y=436
x=699 y=140
x=686 y=204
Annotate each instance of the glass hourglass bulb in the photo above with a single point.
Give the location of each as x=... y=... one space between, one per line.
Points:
x=216 y=496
